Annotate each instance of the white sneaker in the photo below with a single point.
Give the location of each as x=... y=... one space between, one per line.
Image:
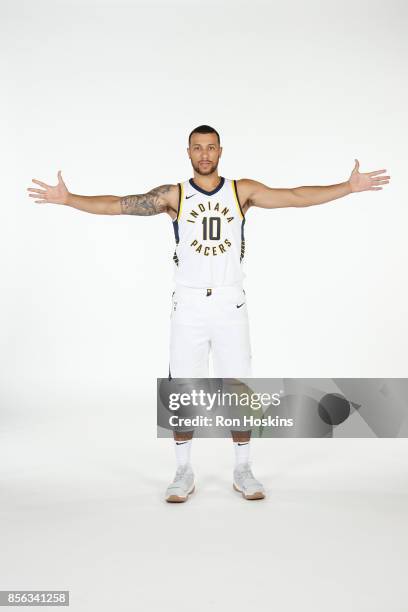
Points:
x=182 y=485
x=246 y=483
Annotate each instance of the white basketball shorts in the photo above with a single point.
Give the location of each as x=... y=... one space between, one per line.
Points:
x=204 y=320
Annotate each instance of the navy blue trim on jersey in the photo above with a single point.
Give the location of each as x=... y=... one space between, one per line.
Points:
x=239 y=203
x=179 y=202
x=176 y=231
x=242 y=240
x=208 y=193
x=177 y=238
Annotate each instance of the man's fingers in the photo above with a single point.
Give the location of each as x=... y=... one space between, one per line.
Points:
x=40 y=202
x=376 y=172
x=40 y=191
x=379 y=182
x=374 y=188
x=36 y=195
x=40 y=183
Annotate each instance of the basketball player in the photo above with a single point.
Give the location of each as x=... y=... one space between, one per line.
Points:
x=209 y=308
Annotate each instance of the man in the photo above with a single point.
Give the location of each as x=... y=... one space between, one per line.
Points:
x=209 y=302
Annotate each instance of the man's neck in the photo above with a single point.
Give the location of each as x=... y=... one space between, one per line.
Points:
x=208 y=182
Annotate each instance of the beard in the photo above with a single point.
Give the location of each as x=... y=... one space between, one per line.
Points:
x=206 y=170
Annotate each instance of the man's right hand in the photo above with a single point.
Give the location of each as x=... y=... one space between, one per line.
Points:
x=48 y=193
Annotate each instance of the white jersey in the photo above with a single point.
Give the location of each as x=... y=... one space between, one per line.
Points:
x=209 y=232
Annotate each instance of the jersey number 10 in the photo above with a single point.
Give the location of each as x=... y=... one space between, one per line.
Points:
x=211 y=228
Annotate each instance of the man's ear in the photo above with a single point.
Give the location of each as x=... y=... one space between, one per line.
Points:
x=188 y=152
x=220 y=151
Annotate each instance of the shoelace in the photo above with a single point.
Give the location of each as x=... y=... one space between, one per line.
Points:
x=246 y=472
x=180 y=473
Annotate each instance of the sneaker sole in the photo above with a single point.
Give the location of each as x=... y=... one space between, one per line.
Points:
x=177 y=499
x=257 y=495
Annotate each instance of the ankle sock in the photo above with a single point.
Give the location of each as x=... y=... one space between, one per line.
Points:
x=183 y=451
x=241 y=452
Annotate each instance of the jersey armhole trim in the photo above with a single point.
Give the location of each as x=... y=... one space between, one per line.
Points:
x=235 y=191
x=180 y=202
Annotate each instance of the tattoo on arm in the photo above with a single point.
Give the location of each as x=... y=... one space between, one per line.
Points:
x=151 y=203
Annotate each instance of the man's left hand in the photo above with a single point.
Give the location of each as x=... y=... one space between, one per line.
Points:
x=367 y=181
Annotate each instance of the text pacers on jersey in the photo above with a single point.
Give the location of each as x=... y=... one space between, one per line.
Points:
x=215 y=250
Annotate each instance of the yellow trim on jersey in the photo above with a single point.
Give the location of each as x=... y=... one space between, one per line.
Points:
x=234 y=190
x=181 y=200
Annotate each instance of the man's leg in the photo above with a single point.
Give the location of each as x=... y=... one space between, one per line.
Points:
x=189 y=352
x=231 y=349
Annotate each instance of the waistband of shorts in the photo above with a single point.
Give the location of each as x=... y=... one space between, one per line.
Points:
x=221 y=290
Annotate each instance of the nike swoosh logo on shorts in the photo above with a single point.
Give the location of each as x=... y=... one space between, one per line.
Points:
x=239 y=305
x=178 y=443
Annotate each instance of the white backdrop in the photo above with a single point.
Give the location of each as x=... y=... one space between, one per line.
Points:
x=108 y=93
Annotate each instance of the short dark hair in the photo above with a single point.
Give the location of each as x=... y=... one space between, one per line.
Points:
x=203 y=129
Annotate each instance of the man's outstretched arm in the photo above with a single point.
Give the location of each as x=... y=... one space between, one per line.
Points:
x=257 y=194
x=158 y=200
x=151 y=203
